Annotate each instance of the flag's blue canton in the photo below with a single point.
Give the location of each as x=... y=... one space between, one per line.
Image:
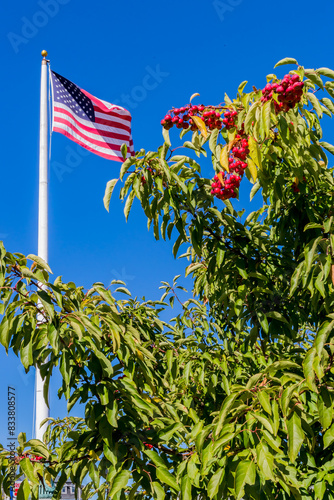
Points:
x=69 y=94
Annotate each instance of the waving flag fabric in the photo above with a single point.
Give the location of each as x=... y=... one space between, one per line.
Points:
x=95 y=124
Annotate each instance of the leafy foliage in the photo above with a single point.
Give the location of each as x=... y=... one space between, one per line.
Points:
x=234 y=396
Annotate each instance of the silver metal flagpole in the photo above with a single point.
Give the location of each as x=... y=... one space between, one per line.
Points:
x=41 y=408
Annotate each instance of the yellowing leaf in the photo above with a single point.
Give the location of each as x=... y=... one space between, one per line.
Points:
x=140 y=354
x=221 y=178
x=231 y=133
x=254 y=151
x=48 y=478
x=252 y=168
x=194 y=95
x=200 y=125
x=224 y=158
x=94 y=455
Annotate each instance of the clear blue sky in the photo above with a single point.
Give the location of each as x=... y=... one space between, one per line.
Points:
x=148 y=56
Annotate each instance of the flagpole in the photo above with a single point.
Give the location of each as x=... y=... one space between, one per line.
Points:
x=41 y=408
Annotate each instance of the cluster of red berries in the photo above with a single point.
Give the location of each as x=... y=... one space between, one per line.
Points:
x=148 y=445
x=225 y=184
x=182 y=117
x=289 y=91
x=226 y=187
x=241 y=150
x=229 y=119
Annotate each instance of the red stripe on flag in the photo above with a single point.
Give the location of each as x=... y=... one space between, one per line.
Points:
x=86 y=146
x=91 y=129
x=102 y=143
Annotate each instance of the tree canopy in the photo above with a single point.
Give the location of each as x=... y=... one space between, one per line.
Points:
x=233 y=397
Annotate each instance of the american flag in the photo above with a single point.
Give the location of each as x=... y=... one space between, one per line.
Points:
x=95 y=124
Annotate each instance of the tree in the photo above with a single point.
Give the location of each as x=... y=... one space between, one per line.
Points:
x=233 y=398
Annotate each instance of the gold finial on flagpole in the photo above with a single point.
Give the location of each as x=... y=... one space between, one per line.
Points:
x=44 y=53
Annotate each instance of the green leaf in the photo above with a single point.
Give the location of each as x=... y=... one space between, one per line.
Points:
x=319 y=489
x=226 y=406
x=322 y=335
x=250 y=116
x=286 y=60
x=166 y=433
x=265 y=117
x=242 y=86
x=108 y=192
x=264 y=399
x=329 y=103
x=213 y=140
x=315 y=78
x=40 y=262
x=158 y=490
x=295 y=435
x=186 y=488
x=124 y=150
x=156 y=459
x=245 y=474
x=214 y=483
x=273 y=443
x=264 y=421
x=325 y=408
x=128 y=204
x=281 y=365
x=315 y=103
x=165 y=134
x=265 y=461
x=254 y=190
x=26 y=354
x=47 y=304
x=308 y=369
x=39 y=446
x=329 y=437
x=166 y=477
x=263 y=321
x=28 y=470
x=327 y=146
x=329 y=73
x=120 y=481
x=278 y=316
x=24 y=490
x=125 y=167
